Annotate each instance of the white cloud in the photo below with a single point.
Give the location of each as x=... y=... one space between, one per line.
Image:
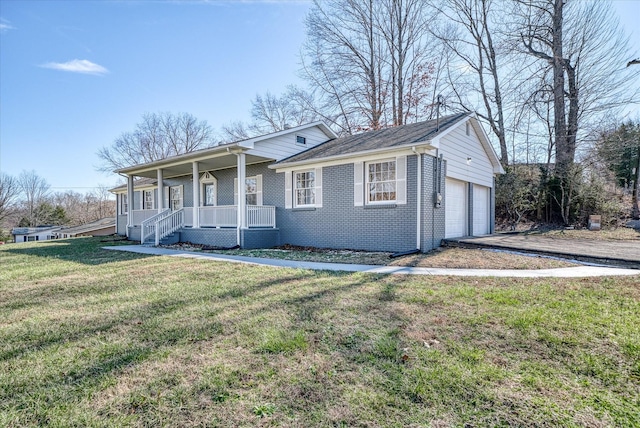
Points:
x=77 y=66
x=5 y=26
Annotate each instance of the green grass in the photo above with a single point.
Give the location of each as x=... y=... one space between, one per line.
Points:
x=90 y=337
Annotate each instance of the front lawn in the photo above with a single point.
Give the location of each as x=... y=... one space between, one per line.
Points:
x=90 y=337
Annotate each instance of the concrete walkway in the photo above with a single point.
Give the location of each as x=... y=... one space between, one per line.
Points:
x=572 y=272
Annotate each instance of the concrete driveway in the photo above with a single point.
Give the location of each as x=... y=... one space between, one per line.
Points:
x=620 y=253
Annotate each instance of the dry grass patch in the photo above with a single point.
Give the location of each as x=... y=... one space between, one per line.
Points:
x=463 y=258
x=455 y=258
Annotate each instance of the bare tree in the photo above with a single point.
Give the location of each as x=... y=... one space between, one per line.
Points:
x=470 y=35
x=9 y=190
x=344 y=50
x=84 y=208
x=104 y=202
x=581 y=53
x=403 y=24
x=157 y=136
x=271 y=113
x=34 y=191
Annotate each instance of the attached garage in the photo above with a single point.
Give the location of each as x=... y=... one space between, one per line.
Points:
x=455 y=208
x=480 y=210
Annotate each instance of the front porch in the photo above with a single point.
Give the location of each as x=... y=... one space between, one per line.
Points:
x=215 y=226
x=198 y=196
x=216 y=216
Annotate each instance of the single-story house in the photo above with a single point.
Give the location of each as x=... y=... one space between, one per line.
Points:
x=30 y=234
x=103 y=227
x=396 y=189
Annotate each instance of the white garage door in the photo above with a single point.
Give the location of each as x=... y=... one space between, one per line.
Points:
x=456 y=208
x=480 y=210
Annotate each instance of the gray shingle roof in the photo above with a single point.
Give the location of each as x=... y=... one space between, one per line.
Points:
x=137 y=183
x=412 y=133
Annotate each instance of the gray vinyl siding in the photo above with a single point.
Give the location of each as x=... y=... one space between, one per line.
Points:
x=284 y=146
x=340 y=224
x=457 y=147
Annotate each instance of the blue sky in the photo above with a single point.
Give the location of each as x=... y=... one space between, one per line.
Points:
x=207 y=59
x=76 y=74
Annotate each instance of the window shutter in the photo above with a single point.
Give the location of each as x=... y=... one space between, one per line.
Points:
x=358 y=190
x=166 y=198
x=235 y=191
x=318 y=182
x=181 y=196
x=401 y=180
x=259 y=189
x=288 y=193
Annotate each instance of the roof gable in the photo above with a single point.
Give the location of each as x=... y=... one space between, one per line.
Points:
x=223 y=150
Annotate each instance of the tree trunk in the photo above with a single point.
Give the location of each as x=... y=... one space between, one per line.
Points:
x=559 y=119
x=635 y=198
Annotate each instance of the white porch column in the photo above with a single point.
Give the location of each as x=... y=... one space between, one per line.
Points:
x=242 y=197
x=196 y=195
x=160 y=191
x=129 y=202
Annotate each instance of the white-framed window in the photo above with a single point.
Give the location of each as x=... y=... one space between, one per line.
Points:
x=208 y=194
x=124 y=204
x=175 y=198
x=147 y=199
x=381 y=181
x=209 y=190
x=304 y=183
x=303 y=188
x=252 y=189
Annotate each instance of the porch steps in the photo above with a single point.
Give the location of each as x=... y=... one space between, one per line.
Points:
x=170 y=239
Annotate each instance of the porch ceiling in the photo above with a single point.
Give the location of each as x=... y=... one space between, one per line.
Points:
x=185 y=168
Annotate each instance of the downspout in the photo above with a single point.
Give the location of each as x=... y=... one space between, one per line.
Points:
x=418 y=198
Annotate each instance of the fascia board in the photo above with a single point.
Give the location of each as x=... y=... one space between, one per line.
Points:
x=486 y=144
x=187 y=157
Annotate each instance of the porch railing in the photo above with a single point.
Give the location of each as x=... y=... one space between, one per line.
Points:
x=138 y=216
x=148 y=226
x=227 y=216
x=261 y=216
x=169 y=224
x=219 y=216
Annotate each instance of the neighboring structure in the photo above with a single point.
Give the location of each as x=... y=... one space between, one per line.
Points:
x=102 y=227
x=396 y=189
x=30 y=234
